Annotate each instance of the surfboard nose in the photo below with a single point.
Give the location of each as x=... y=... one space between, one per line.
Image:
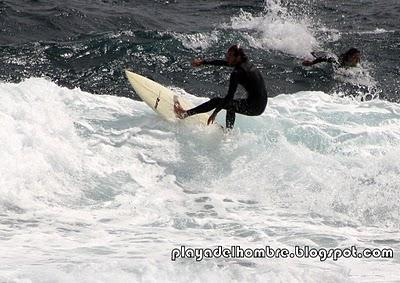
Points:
x=132 y=76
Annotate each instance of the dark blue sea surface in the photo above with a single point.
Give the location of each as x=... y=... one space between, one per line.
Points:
x=88 y=44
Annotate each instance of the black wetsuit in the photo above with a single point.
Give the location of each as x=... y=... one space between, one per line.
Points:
x=326 y=57
x=251 y=79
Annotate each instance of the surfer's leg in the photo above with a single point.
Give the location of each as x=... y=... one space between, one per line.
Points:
x=230 y=119
x=205 y=107
x=240 y=106
x=245 y=107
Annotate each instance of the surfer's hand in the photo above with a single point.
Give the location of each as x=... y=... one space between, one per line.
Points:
x=308 y=63
x=212 y=118
x=197 y=62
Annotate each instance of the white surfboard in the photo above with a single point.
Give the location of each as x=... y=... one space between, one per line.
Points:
x=161 y=99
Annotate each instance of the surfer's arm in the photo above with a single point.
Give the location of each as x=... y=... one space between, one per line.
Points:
x=199 y=62
x=216 y=62
x=315 y=61
x=233 y=83
x=320 y=58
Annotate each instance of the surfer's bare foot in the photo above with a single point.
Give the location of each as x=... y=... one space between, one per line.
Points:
x=179 y=111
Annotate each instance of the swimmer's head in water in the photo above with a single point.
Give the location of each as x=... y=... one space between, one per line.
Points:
x=235 y=55
x=351 y=57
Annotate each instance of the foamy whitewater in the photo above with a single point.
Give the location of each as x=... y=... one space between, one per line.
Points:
x=276 y=29
x=100 y=188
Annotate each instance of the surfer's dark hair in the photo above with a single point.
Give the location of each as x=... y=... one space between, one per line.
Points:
x=238 y=51
x=349 y=53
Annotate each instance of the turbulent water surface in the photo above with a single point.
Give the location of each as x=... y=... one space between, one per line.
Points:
x=95 y=187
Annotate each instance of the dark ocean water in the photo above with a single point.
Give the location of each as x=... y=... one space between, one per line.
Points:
x=88 y=44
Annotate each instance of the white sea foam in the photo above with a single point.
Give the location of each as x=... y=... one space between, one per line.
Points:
x=197 y=41
x=99 y=188
x=276 y=29
x=376 y=31
x=359 y=76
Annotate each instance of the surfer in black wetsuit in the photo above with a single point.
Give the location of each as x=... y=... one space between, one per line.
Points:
x=245 y=74
x=348 y=59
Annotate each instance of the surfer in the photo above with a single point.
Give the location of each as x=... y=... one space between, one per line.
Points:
x=348 y=59
x=245 y=74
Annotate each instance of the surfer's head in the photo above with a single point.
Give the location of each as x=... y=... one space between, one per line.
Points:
x=235 y=55
x=351 y=57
